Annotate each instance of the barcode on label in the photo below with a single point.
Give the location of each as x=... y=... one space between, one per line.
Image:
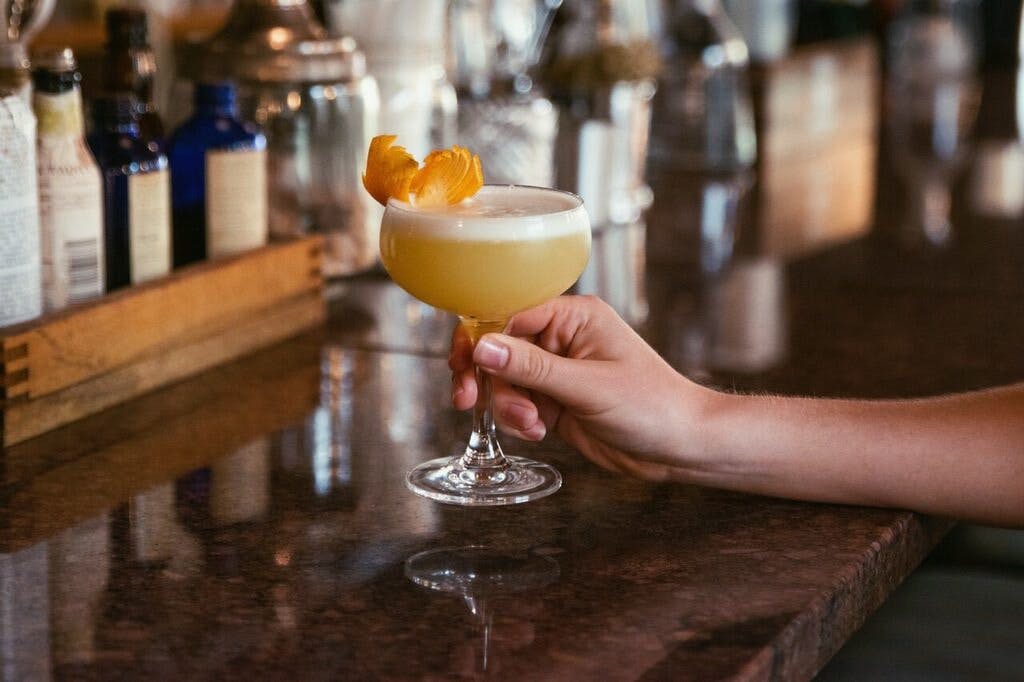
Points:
x=83 y=270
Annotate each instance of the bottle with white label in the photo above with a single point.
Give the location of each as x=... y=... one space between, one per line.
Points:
x=136 y=195
x=20 y=285
x=219 y=180
x=70 y=186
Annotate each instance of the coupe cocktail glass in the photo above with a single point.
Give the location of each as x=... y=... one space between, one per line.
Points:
x=508 y=248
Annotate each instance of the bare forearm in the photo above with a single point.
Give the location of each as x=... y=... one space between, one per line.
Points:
x=959 y=455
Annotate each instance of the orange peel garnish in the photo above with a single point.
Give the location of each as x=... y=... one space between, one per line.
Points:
x=447 y=177
x=389 y=170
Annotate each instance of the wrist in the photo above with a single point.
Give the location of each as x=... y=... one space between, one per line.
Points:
x=710 y=453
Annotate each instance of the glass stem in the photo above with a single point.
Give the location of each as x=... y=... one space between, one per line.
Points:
x=483 y=450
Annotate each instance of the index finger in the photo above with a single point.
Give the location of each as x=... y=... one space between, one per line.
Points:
x=554 y=324
x=460 y=358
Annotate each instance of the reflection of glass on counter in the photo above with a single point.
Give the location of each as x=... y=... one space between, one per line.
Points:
x=79 y=572
x=25 y=609
x=702 y=230
x=479 y=574
x=734 y=321
x=156 y=532
x=240 y=484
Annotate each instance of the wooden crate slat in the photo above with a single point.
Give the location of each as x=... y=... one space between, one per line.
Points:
x=73 y=346
x=258 y=329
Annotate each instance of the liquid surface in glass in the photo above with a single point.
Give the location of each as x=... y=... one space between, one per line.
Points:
x=506 y=249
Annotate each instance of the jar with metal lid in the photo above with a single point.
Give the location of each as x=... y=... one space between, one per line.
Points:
x=318 y=107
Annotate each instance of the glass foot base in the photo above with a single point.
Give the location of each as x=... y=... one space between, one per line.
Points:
x=448 y=480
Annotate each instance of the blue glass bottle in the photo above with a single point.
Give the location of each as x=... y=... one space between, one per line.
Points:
x=136 y=194
x=218 y=179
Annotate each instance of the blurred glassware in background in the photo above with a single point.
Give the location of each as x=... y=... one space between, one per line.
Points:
x=404 y=43
x=997 y=179
x=503 y=116
x=704 y=120
x=933 y=95
x=768 y=26
x=318 y=108
x=19 y=21
x=599 y=64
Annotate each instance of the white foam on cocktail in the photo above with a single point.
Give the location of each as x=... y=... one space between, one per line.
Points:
x=497 y=212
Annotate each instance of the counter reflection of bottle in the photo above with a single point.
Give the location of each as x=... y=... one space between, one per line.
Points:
x=20 y=285
x=136 y=189
x=219 y=180
x=70 y=187
x=131 y=66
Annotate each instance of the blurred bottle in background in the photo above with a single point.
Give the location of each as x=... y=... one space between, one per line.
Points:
x=136 y=195
x=316 y=104
x=599 y=65
x=130 y=67
x=703 y=127
x=404 y=44
x=503 y=115
x=218 y=180
x=704 y=121
x=20 y=277
x=767 y=26
x=70 y=187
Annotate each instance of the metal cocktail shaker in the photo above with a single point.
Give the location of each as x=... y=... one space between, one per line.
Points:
x=318 y=108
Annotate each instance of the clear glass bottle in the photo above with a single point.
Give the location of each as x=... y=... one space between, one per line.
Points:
x=218 y=180
x=70 y=186
x=703 y=119
x=136 y=195
x=20 y=284
x=130 y=66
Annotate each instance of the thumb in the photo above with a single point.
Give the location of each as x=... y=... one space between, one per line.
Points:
x=522 y=363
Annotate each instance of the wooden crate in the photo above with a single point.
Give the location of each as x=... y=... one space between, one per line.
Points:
x=76 y=362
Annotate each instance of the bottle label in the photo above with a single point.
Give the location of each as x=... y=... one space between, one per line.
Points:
x=59 y=115
x=70 y=204
x=236 y=201
x=20 y=285
x=149 y=225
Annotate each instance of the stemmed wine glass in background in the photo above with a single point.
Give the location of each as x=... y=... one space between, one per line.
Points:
x=933 y=95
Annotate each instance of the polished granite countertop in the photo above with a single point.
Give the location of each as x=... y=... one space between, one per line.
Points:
x=253 y=523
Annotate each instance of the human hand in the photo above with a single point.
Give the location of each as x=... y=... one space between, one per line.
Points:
x=573 y=366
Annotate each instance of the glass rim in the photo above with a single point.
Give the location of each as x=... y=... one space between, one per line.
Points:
x=407 y=207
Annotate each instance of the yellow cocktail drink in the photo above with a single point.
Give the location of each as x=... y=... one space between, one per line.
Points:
x=506 y=249
x=503 y=250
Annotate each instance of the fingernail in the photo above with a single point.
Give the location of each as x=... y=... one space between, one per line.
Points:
x=520 y=415
x=491 y=354
x=537 y=432
x=457 y=387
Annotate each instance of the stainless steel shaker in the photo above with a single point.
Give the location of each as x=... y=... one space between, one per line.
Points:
x=319 y=108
